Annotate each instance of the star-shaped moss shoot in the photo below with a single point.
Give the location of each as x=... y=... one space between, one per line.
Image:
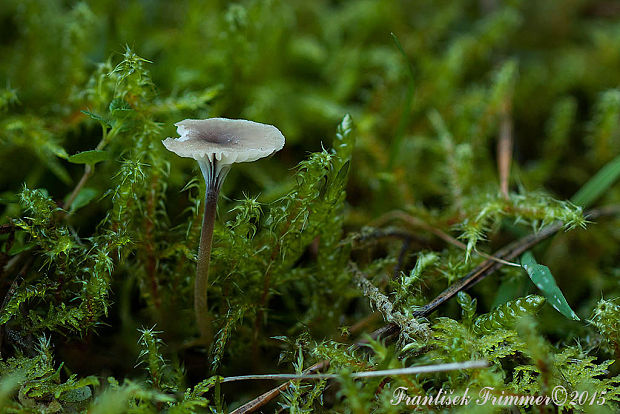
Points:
x=216 y=144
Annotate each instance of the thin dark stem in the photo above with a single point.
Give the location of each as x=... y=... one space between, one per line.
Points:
x=204 y=258
x=214 y=177
x=88 y=169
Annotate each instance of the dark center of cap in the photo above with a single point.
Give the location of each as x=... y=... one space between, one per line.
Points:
x=218 y=137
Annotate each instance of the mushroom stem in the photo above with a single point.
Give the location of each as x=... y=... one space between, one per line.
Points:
x=202 y=269
x=214 y=177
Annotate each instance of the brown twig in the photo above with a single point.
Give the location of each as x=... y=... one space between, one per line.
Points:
x=487 y=267
x=387 y=234
x=509 y=252
x=419 y=223
x=385 y=332
x=423 y=369
x=504 y=149
x=88 y=170
x=263 y=399
x=361 y=324
x=416 y=223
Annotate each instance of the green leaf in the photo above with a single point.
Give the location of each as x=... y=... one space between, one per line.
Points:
x=119 y=105
x=98 y=118
x=543 y=279
x=18 y=249
x=598 y=184
x=84 y=197
x=89 y=157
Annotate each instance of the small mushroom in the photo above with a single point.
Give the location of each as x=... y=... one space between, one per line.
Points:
x=216 y=143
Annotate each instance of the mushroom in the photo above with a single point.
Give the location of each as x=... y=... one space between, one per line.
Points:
x=216 y=143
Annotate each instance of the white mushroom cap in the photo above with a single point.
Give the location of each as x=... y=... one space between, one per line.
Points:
x=225 y=140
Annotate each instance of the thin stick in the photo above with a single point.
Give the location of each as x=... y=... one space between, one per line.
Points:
x=504 y=150
x=416 y=222
x=88 y=170
x=264 y=398
x=367 y=374
x=384 y=332
x=509 y=252
x=487 y=267
x=496 y=259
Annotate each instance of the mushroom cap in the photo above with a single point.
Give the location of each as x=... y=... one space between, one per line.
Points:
x=225 y=140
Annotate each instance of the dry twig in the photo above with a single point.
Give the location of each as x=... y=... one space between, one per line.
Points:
x=504 y=150
x=424 y=369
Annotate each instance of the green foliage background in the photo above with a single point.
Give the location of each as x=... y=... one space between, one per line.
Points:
x=392 y=112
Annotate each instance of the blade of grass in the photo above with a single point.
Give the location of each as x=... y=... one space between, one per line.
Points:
x=598 y=184
x=402 y=124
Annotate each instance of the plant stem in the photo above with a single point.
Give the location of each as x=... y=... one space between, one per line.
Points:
x=88 y=170
x=204 y=258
